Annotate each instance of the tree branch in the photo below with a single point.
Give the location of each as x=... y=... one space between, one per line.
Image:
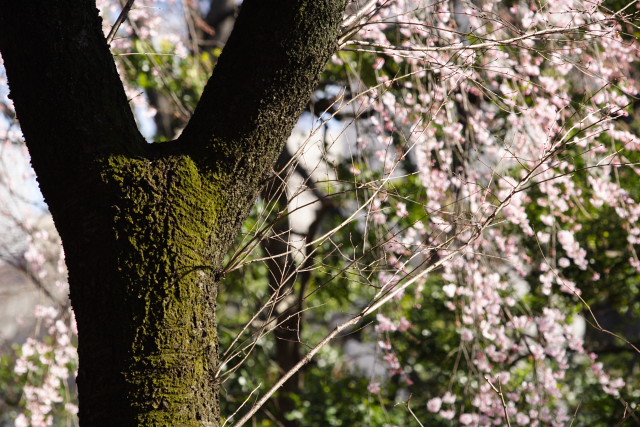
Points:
x=123 y=15
x=263 y=80
x=67 y=93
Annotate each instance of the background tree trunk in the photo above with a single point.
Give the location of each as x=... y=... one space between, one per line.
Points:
x=145 y=227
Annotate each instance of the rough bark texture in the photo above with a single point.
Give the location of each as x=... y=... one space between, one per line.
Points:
x=145 y=227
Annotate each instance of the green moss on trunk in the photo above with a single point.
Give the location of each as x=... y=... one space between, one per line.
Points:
x=165 y=230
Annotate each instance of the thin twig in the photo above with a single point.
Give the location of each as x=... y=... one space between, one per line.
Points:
x=460 y=46
x=626 y=415
x=243 y=403
x=575 y=413
x=501 y=394
x=120 y=20
x=411 y=412
x=376 y=304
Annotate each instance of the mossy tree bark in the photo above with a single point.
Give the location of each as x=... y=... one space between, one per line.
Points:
x=145 y=226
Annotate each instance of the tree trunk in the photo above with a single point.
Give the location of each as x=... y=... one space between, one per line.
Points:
x=145 y=227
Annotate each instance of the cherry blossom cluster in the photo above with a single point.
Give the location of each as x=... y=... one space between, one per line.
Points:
x=46 y=365
x=523 y=120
